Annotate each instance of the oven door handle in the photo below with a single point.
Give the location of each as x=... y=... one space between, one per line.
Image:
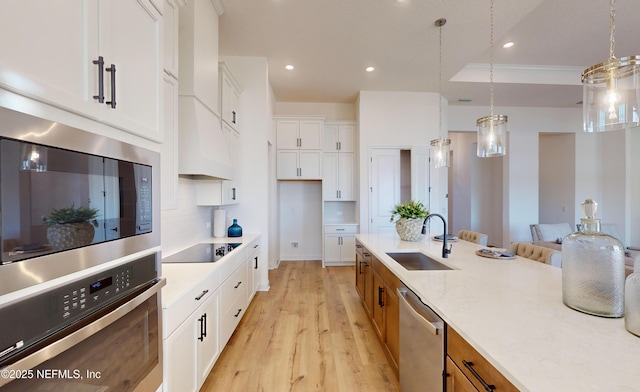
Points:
x=60 y=346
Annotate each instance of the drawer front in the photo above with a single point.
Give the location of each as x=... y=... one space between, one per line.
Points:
x=473 y=365
x=175 y=314
x=232 y=288
x=231 y=318
x=340 y=229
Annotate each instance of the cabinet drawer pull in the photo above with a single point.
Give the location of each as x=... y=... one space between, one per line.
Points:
x=256 y=266
x=233 y=193
x=233 y=116
x=380 y=294
x=112 y=69
x=237 y=314
x=203 y=327
x=238 y=285
x=198 y=298
x=100 y=63
x=487 y=387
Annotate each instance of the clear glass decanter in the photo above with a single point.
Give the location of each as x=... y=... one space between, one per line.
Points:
x=632 y=303
x=593 y=273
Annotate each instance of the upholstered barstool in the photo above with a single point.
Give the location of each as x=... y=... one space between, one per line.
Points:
x=537 y=253
x=473 y=236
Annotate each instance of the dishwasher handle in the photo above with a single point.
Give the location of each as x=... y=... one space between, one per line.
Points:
x=415 y=310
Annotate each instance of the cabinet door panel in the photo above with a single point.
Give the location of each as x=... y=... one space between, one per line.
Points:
x=311 y=135
x=348 y=248
x=332 y=247
x=287 y=165
x=345 y=176
x=131 y=38
x=379 y=303
x=456 y=380
x=310 y=163
x=169 y=172
x=208 y=347
x=287 y=134
x=180 y=359
x=47 y=52
x=345 y=137
x=330 y=138
x=330 y=178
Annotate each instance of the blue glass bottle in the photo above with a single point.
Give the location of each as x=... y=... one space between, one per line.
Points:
x=235 y=230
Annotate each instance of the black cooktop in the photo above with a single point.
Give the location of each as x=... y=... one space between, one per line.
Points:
x=202 y=253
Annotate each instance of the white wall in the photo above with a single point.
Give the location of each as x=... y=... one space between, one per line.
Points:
x=396 y=119
x=300 y=220
x=331 y=111
x=255 y=130
x=557 y=179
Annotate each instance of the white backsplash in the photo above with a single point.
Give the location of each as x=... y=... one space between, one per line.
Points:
x=187 y=224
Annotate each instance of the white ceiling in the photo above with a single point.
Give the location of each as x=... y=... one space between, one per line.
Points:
x=330 y=42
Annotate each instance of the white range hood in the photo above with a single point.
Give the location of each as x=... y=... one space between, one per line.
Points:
x=203 y=148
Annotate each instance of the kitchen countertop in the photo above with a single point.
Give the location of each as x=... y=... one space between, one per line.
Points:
x=511 y=311
x=181 y=277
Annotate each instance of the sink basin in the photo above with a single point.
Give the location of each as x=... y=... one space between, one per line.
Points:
x=417 y=261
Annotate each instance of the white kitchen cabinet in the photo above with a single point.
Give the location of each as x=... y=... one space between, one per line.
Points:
x=222 y=192
x=87 y=41
x=299 y=133
x=192 y=348
x=339 y=245
x=339 y=137
x=170 y=19
x=169 y=156
x=253 y=270
x=299 y=165
x=229 y=97
x=198 y=37
x=233 y=302
x=338 y=177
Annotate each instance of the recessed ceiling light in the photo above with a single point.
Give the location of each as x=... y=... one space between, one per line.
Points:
x=289 y=67
x=508 y=45
x=369 y=69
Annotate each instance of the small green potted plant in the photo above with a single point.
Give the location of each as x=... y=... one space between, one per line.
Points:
x=70 y=227
x=409 y=217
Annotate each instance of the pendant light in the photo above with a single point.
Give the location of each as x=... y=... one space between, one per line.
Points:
x=33 y=157
x=440 y=147
x=611 y=90
x=492 y=129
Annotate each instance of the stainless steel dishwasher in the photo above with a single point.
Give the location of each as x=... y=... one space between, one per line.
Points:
x=421 y=345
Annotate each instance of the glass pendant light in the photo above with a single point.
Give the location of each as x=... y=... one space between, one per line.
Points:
x=440 y=147
x=611 y=90
x=492 y=129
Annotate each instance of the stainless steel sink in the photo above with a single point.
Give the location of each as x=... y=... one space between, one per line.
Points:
x=417 y=261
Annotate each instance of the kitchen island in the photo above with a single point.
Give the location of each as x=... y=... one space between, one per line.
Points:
x=511 y=312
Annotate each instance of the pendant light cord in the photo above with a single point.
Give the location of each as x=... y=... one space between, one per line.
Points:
x=612 y=29
x=491 y=64
x=440 y=84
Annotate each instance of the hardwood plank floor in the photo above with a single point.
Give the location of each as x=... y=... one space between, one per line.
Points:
x=308 y=333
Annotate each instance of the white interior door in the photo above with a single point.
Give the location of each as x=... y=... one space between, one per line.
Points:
x=384 y=189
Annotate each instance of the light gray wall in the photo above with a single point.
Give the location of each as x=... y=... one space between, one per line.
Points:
x=557 y=179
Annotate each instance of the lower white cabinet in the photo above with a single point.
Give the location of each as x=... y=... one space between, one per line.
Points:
x=192 y=348
x=339 y=245
x=253 y=270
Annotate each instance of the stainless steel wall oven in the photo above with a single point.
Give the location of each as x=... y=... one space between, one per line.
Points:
x=80 y=305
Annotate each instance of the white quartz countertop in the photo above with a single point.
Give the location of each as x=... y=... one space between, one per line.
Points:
x=511 y=311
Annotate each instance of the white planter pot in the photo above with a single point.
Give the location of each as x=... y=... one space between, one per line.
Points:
x=410 y=229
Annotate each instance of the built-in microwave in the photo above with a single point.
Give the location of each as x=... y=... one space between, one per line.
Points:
x=70 y=200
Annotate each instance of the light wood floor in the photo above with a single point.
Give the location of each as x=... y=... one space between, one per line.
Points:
x=308 y=333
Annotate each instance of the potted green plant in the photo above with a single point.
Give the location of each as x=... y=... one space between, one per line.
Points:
x=409 y=217
x=70 y=227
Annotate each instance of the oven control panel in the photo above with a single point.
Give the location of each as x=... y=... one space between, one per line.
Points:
x=36 y=317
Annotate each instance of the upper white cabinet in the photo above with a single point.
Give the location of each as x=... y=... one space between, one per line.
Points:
x=229 y=97
x=169 y=155
x=199 y=52
x=303 y=134
x=339 y=137
x=100 y=59
x=170 y=18
x=299 y=145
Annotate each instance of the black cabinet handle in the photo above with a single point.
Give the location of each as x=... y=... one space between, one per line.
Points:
x=204 y=323
x=380 y=293
x=238 y=285
x=233 y=193
x=237 y=314
x=487 y=387
x=100 y=63
x=360 y=268
x=198 y=298
x=115 y=229
x=112 y=69
x=256 y=258
x=233 y=116
x=201 y=337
